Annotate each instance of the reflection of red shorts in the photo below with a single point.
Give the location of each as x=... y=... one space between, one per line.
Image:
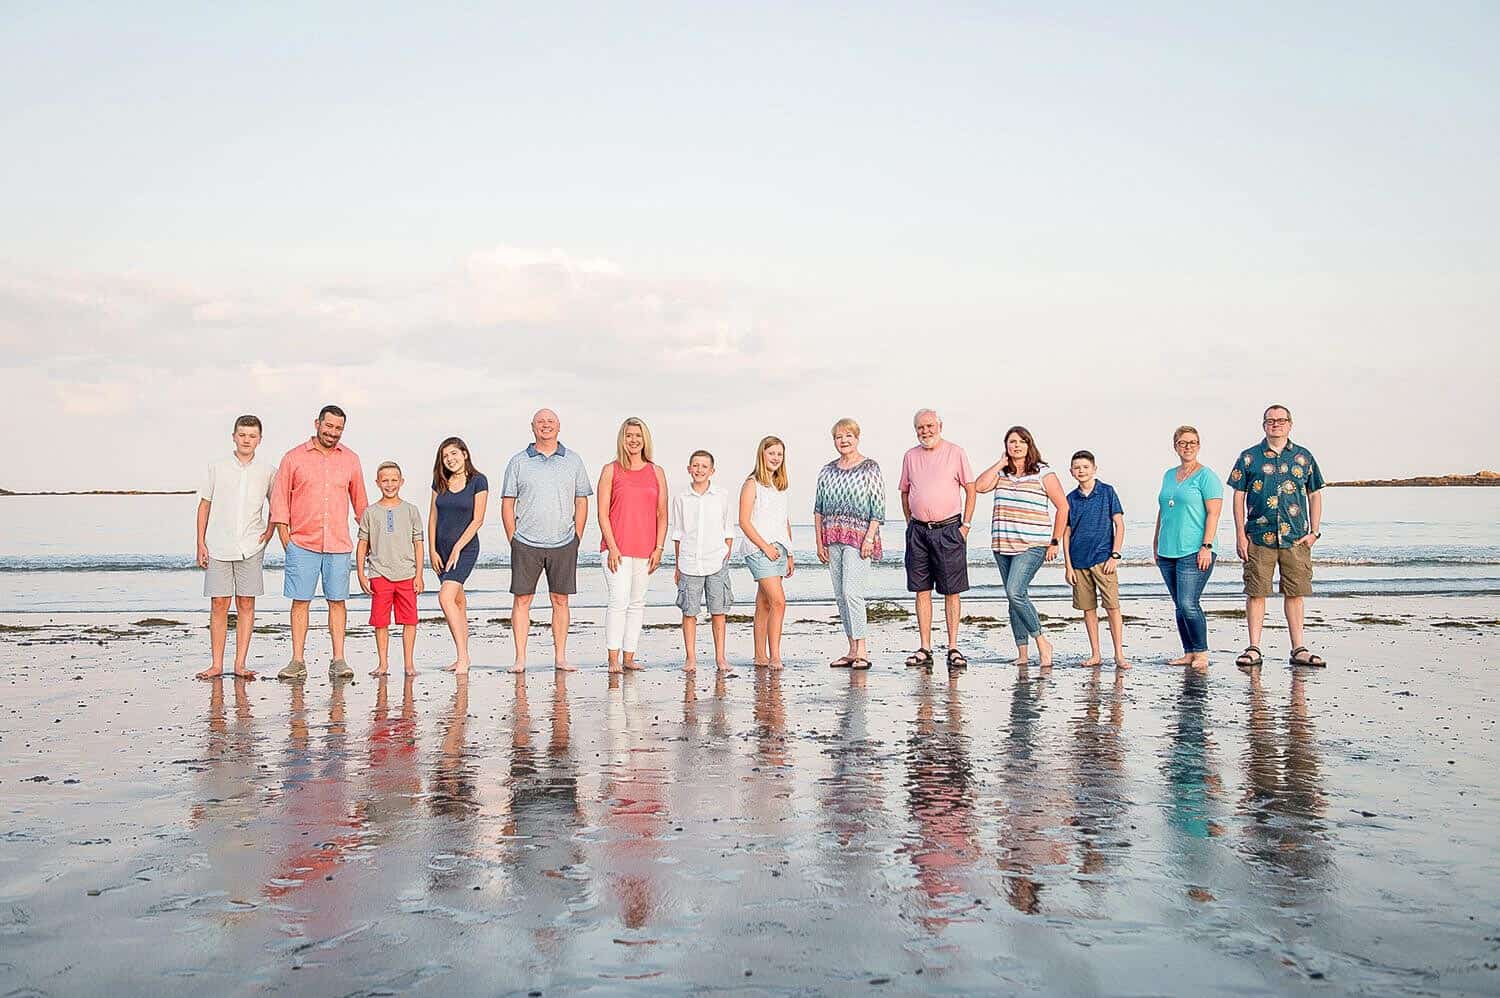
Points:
x=387 y=596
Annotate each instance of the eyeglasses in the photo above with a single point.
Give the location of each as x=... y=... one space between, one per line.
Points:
x=1279 y=421
x=1187 y=443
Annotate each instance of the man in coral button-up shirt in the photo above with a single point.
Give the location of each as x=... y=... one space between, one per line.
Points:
x=318 y=484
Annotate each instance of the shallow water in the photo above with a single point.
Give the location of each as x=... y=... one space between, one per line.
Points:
x=1075 y=832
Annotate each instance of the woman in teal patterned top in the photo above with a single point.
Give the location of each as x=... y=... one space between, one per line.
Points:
x=847 y=513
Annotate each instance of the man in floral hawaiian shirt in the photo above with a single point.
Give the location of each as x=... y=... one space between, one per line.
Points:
x=1278 y=505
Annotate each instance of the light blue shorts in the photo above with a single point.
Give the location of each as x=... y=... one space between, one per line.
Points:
x=304 y=568
x=762 y=567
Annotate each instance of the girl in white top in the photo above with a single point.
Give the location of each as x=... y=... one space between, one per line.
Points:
x=767 y=546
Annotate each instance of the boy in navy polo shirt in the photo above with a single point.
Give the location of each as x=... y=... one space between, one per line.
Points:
x=1091 y=551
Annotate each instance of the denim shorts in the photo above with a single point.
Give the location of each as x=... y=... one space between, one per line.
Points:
x=304 y=568
x=762 y=567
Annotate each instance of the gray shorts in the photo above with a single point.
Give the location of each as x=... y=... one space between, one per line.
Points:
x=528 y=563
x=235 y=578
x=693 y=590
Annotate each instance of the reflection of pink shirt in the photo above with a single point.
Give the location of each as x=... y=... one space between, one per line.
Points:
x=312 y=495
x=934 y=481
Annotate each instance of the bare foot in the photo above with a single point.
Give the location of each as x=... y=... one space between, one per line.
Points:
x=1200 y=661
x=1044 y=651
x=518 y=668
x=1122 y=664
x=248 y=675
x=1093 y=663
x=721 y=665
x=212 y=672
x=1182 y=660
x=378 y=672
x=564 y=667
x=1021 y=662
x=411 y=670
x=453 y=666
x=462 y=670
x=690 y=667
x=775 y=665
x=759 y=663
x=615 y=670
x=633 y=667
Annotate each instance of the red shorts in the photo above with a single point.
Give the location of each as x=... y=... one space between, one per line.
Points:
x=387 y=597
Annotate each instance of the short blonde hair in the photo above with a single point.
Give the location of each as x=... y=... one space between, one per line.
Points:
x=389 y=464
x=764 y=475
x=1182 y=431
x=640 y=424
x=846 y=424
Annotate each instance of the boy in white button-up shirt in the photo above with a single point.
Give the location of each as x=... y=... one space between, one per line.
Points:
x=232 y=535
x=703 y=534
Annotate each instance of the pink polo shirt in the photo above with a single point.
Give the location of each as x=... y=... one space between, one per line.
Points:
x=313 y=493
x=934 y=481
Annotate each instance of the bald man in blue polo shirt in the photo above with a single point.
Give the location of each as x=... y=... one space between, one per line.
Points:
x=544 y=505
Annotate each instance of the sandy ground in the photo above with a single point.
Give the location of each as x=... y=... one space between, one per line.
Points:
x=1074 y=832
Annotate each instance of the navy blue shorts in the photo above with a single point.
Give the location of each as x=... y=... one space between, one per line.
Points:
x=936 y=558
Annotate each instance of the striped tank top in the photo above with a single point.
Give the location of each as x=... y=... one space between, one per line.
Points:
x=1023 y=516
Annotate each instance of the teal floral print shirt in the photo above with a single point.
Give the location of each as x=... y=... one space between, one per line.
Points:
x=1276 y=488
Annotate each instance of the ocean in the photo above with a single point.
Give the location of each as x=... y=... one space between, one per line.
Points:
x=134 y=554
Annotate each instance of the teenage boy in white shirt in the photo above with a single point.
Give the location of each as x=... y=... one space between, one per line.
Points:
x=703 y=532
x=232 y=535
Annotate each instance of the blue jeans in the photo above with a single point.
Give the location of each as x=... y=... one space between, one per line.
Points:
x=847 y=570
x=1016 y=571
x=1186 y=583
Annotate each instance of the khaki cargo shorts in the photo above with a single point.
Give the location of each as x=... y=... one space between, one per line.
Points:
x=1295 y=564
x=1093 y=586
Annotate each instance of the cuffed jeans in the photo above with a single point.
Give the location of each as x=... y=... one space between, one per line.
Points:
x=627 y=602
x=1016 y=572
x=847 y=570
x=1185 y=582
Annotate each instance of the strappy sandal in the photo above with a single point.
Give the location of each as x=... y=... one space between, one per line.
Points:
x=956 y=660
x=1249 y=658
x=920 y=659
x=842 y=662
x=859 y=664
x=1301 y=656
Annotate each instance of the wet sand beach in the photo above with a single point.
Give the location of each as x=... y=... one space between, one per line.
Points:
x=817 y=832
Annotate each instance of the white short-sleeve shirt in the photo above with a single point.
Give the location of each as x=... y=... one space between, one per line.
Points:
x=237 y=495
x=701 y=523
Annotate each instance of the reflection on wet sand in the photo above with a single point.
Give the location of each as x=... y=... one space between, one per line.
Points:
x=549 y=875
x=227 y=785
x=940 y=796
x=1101 y=795
x=1035 y=804
x=1194 y=789
x=1283 y=802
x=393 y=782
x=315 y=826
x=632 y=794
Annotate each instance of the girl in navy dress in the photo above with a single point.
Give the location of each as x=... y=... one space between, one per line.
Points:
x=459 y=496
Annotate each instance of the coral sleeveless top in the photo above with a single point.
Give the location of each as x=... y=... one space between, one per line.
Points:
x=632 y=510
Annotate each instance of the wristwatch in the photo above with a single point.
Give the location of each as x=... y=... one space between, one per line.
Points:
x=1115 y=555
x=1208 y=547
x=1055 y=542
x=1317 y=535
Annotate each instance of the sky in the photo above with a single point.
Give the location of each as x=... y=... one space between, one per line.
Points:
x=740 y=220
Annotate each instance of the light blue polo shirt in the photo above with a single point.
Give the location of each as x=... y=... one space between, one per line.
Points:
x=544 y=488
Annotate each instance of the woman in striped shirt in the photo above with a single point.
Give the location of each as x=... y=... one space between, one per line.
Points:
x=1020 y=533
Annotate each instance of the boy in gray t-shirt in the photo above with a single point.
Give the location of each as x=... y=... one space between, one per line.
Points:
x=389 y=563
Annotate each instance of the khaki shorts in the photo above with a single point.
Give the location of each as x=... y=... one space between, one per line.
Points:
x=1095 y=586
x=1296 y=570
x=242 y=577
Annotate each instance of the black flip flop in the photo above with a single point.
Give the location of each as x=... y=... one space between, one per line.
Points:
x=860 y=664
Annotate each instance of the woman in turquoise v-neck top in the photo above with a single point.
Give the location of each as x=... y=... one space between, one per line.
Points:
x=1187 y=518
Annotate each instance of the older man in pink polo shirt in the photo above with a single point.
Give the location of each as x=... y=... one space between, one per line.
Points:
x=937 y=498
x=318 y=484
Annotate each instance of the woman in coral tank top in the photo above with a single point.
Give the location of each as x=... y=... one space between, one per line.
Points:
x=633 y=523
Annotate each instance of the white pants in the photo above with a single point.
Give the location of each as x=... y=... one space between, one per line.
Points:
x=627 y=603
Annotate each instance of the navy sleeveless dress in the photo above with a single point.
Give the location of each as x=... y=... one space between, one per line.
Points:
x=455 y=511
